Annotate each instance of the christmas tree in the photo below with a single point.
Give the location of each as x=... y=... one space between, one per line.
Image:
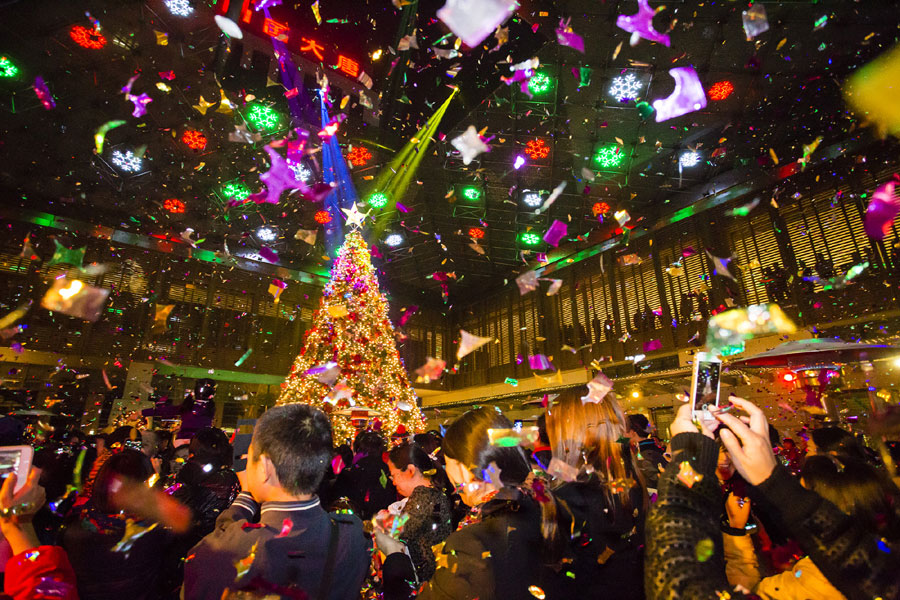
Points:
x=349 y=361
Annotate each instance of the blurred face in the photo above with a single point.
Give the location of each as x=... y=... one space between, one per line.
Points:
x=724 y=466
x=405 y=480
x=255 y=481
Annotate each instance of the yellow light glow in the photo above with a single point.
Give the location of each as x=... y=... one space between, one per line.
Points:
x=74 y=287
x=377 y=54
x=636 y=394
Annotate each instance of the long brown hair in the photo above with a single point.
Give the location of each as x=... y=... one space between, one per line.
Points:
x=586 y=435
x=467 y=441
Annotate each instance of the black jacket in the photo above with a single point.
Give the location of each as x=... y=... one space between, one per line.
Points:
x=283 y=547
x=684 y=519
x=367 y=483
x=607 y=539
x=498 y=558
x=649 y=458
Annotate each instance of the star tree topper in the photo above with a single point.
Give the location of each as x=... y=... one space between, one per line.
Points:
x=354 y=217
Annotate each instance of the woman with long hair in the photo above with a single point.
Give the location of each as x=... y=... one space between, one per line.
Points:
x=605 y=494
x=513 y=543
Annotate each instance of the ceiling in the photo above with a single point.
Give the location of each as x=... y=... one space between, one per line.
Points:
x=786 y=94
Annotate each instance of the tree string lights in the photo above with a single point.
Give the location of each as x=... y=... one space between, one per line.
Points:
x=193 y=139
x=91 y=39
x=351 y=330
x=359 y=156
x=174 y=206
x=537 y=149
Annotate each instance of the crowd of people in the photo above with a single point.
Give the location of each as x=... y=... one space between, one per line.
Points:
x=593 y=506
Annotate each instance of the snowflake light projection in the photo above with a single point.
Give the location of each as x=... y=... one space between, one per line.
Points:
x=609 y=157
x=689 y=159
x=600 y=208
x=91 y=39
x=476 y=233
x=540 y=83
x=174 y=206
x=301 y=171
x=532 y=199
x=720 y=90
x=530 y=238
x=193 y=139
x=179 y=8
x=127 y=161
x=266 y=234
x=393 y=240
x=378 y=200
x=537 y=149
x=236 y=191
x=263 y=118
x=471 y=193
x=359 y=156
x=322 y=217
x=7 y=68
x=625 y=87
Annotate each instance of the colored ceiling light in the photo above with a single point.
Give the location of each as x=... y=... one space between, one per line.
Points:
x=7 y=68
x=625 y=87
x=530 y=238
x=195 y=140
x=301 y=171
x=476 y=233
x=263 y=118
x=471 y=193
x=266 y=234
x=359 y=156
x=600 y=208
x=127 y=161
x=393 y=240
x=322 y=217
x=537 y=149
x=236 y=191
x=179 y=8
x=609 y=157
x=378 y=200
x=720 y=90
x=532 y=199
x=689 y=158
x=174 y=206
x=91 y=39
x=540 y=83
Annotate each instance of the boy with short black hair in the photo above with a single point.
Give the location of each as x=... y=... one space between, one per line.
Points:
x=276 y=538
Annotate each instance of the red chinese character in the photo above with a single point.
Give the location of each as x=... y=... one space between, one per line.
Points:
x=350 y=67
x=275 y=29
x=312 y=46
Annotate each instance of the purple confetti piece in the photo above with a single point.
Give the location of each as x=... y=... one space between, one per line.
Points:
x=557 y=231
x=539 y=362
x=882 y=211
x=268 y=254
x=140 y=104
x=652 y=345
x=566 y=37
x=43 y=93
x=402 y=208
x=641 y=24
x=688 y=96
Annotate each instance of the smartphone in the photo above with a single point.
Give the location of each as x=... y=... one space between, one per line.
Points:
x=16 y=459
x=705 y=383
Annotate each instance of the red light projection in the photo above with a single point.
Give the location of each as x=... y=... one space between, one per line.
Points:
x=195 y=140
x=322 y=217
x=537 y=149
x=600 y=208
x=174 y=206
x=720 y=90
x=91 y=39
x=359 y=156
x=476 y=233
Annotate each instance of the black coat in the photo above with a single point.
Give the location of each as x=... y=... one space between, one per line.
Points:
x=367 y=483
x=498 y=558
x=607 y=539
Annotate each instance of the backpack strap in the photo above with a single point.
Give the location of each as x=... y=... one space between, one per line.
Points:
x=328 y=571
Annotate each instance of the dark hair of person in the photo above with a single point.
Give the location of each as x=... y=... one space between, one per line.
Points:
x=346 y=454
x=834 y=440
x=127 y=464
x=410 y=453
x=297 y=439
x=639 y=424
x=774 y=436
x=858 y=489
x=369 y=443
x=429 y=441
x=542 y=429
x=210 y=446
x=467 y=441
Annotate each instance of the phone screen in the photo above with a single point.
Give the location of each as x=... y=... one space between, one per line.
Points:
x=9 y=462
x=706 y=387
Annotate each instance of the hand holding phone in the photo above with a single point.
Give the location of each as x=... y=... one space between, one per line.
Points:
x=705 y=385
x=16 y=459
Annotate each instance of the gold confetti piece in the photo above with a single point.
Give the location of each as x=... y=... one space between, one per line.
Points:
x=617 y=50
x=162 y=38
x=687 y=475
x=781 y=44
x=536 y=592
x=163 y=87
x=773 y=155
x=344 y=102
